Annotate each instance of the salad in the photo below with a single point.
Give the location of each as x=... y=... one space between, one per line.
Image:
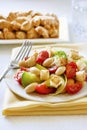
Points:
x=52 y=71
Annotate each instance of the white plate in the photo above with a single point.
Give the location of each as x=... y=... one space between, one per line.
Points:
x=19 y=90
x=63 y=36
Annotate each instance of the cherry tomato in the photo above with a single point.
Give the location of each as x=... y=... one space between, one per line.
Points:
x=52 y=69
x=42 y=56
x=71 y=70
x=18 y=76
x=86 y=78
x=43 y=89
x=73 y=88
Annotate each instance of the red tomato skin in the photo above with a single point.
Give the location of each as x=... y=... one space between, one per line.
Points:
x=42 y=56
x=71 y=70
x=43 y=89
x=53 y=69
x=74 y=88
x=18 y=77
x=86 y=77
x=19 y=81
x=39 y=60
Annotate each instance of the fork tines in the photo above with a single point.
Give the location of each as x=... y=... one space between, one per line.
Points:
x=24 y=51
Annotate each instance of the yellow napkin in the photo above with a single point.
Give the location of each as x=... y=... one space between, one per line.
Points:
x=15 y=105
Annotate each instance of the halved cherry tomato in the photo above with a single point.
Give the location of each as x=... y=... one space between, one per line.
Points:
x=71 y=70
x=43 y=89
x=52 y=69
x=18 y=76
x=73 y=88
x=42 y=56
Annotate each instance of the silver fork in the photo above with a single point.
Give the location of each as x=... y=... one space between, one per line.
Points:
x=21 y=54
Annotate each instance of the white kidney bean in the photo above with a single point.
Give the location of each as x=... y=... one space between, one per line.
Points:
x=31 y=87
x=48 y=62
x=35 y=70
x=60 y=70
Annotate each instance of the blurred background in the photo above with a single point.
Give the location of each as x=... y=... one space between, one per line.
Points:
x=61 y=7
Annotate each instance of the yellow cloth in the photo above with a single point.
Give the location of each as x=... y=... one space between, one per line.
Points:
x=15 y=105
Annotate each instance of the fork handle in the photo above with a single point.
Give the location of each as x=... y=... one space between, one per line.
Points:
x=3 y=74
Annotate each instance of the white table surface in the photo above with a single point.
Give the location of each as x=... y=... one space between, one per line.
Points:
x=75 y=122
